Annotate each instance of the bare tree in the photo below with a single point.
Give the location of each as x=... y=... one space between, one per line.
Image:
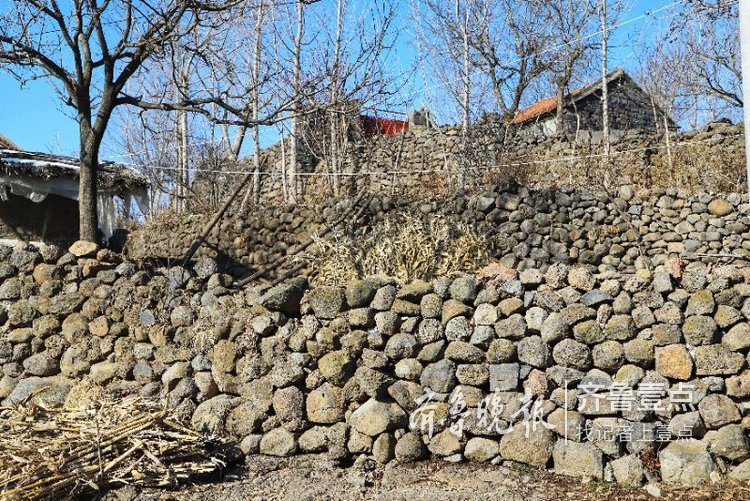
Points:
x=510 y=48
x=605 y=88
x=663 y=73
x=351 y=52
x=182 y=64
x=661 y=76
x=89 y=50
x=443 y=34
x=570 y=24
x=296 y=103
x=336 y=118
x=462 y=21
x=256 y=75
x=506 y=47
x=709 y=31
x=148 y=140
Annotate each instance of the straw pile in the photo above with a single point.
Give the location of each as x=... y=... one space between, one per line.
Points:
x=404 y=246
x=56 y=454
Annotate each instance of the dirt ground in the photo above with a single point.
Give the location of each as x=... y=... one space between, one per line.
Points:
x=305 y=478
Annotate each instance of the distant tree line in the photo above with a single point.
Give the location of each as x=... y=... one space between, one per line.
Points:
x=186 y=86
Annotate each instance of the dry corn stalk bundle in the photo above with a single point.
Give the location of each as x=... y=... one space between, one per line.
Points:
x=404 y=246
x=54 y=453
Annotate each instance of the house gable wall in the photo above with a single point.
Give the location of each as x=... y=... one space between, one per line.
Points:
x=629 y=108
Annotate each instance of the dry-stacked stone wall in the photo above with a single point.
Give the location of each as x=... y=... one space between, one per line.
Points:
x=423 y=157
x=589 y=372
x=525 y=227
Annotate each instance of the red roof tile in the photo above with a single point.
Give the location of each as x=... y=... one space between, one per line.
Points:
x=373 y=126
x=540 y=108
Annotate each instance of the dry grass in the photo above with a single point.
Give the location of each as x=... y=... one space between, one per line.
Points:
x=696 y=167
x=403 y=246
x=60 y=454
x=701 y=168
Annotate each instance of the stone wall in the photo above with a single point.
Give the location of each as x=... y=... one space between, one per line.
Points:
x=440 y=160
x=534 y=368
x=525 y=227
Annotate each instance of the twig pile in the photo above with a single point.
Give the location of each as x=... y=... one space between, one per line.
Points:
x=54 y=454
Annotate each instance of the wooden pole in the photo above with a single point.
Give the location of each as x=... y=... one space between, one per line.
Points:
x=217 y=217
x=276 y=262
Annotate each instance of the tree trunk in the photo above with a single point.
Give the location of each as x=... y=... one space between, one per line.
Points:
x=87 y=204
x=605 y=90
x=284 y=187
x=256 y=166
x=257 y=59
x=334 y=163
x=559 y=117
x=293 y=160
x=182 y=174
x=334 y=166
x=466 y=77
x=667 y=138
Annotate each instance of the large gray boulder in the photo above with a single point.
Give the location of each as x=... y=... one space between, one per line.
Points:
x=687 y=462
x=285 y=297
x=728 y=442
x=578 y=459
x=47 y=392
x=528 y=444
x=211 y=415
x=326 y=301
x=325 y=405
x=374 y=417
x=440 y=376
x=278 y=442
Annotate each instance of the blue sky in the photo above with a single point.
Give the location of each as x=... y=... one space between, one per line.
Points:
x=34 y=118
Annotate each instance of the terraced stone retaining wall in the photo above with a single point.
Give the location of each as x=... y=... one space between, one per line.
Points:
x=423 y=158
x=525 y=227
x=589 y=372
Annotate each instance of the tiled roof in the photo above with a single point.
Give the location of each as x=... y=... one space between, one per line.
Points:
x=550 y=104
x=539 y=108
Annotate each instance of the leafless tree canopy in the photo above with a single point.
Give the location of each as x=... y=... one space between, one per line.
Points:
x=229 y=77
x=89 y=50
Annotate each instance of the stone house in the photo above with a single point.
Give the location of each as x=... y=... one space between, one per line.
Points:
x=630 y=108
x=39 y=195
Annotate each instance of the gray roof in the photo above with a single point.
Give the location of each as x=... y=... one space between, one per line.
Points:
x=110 y=176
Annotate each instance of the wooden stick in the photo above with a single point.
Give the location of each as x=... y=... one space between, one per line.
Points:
x=217 y=217
x=288 y=274
x=276 y=262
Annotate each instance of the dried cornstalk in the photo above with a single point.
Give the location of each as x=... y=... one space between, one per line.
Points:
x=56 y=453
